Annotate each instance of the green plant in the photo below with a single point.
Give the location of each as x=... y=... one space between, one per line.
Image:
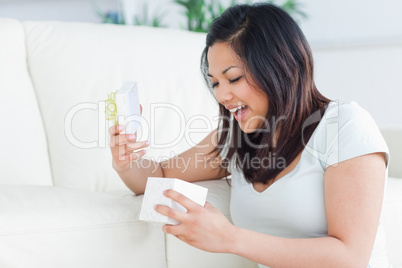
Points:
x=200 y=13
x=117 y=17
x=155 y=21
x=113 y=17
x=294 y=9
x=215 y=10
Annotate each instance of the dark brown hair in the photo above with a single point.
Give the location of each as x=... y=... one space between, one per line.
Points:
x=278 y=60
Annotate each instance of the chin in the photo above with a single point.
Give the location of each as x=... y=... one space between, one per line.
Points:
x=248 y=129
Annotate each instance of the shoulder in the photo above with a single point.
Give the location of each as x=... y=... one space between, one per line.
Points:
x=345 y=112
x=348 y=118
x=347 y=130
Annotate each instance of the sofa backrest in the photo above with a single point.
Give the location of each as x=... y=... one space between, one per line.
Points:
x=75 y=65
x=23 y=148
x=61 y=72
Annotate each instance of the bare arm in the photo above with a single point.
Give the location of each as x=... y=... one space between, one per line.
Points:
x=195 y=164
x=353 y=200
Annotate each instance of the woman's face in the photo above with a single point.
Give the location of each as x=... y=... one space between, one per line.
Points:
x=248 y=105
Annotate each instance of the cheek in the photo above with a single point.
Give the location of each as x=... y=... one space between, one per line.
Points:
x=259 y=102
x=264 y=105
x=247 y=94
x=217 y=96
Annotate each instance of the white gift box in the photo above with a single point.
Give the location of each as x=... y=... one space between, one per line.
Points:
x=154 y=196
x=128 y=107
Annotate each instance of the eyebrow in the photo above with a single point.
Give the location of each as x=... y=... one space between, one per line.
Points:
x=224 y=71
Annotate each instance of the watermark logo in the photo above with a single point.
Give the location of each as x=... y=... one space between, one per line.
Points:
x=327 y=148
x=185 y=127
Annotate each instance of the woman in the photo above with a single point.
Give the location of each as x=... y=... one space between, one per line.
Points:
x=308 y=173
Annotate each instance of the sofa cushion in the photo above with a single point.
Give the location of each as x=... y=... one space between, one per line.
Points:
x=392 y=220
x=23 y=155
x=59 y=227
x=393 y=137
x=75 y=65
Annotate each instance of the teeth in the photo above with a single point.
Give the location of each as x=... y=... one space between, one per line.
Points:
x=236 y=109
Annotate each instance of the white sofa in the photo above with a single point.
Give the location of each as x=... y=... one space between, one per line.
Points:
x=61 y=203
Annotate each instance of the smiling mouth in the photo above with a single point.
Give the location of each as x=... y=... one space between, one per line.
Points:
x=239 y=110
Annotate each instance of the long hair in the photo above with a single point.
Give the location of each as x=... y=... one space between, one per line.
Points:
x=278 y=61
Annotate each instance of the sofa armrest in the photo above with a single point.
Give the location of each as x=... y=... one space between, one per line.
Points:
x=46 y=226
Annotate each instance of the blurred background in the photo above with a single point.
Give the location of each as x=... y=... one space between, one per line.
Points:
x=362 y=33
x=325 y=22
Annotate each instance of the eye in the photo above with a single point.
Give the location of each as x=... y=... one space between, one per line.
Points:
x=215 y=84
x=235 y=80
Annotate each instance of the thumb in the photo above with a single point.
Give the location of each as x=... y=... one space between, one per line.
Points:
x=208 y=205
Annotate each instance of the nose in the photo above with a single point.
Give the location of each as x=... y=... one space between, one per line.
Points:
x=223 y=94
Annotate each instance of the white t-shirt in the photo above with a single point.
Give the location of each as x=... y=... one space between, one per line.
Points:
x=293 y=206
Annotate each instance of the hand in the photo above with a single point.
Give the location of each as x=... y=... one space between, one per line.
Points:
x=125 y=147
x=205 y=228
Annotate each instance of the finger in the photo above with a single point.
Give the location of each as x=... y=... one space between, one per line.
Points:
x=137 y=145
x=175 y=230
x=136 y=155
x=129 y=151
x=181 y=199
x=171 y=213
x=208 y=205
x=122 y=139
x=140 y=109
x=119 y=151
x=116 y=129
x=124 y=155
